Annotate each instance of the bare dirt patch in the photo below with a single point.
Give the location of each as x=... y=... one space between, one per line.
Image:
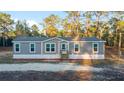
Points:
x=112 y=69
x=5 y=49
x=105 y=75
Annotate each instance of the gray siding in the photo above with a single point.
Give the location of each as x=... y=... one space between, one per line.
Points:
x=85 y=47
x=58 y=45
x=24 y=48
x=101 y=48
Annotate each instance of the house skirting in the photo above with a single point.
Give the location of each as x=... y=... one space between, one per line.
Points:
x=95 y=56
x=35 y=56
x=56 y=56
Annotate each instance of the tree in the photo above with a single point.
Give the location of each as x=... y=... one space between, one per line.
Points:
x=72 y=23
x=5 y=25
x=88 y=17
x=60 y=33
x=116 y=23
x=50 y=25
x=22 y=28
x=51 y=31
x=11 y=35
x=98 y=15
x=64 y=33
x=35 y=30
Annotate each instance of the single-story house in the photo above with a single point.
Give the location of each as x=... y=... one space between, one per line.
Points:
x=58 y=48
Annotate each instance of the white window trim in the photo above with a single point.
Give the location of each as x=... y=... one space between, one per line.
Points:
x=97 y=48
x=66 y=46
x=34 y=48
x=50 y=48
x=15 y=48
x=41 y=47
x=104 y=48
x=78 y=48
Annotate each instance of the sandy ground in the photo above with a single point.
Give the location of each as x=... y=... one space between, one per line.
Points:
x=11 y=70
x=5 y=53
x=47 y=67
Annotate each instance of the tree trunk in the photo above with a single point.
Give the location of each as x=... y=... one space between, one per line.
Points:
x=87 y=26
x=119 y=45
x=116 y=37
x=97 y=27
x=0 y=41
x=3 y=42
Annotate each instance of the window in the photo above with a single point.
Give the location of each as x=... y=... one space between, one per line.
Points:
x=17 y=48
x=76 y=47
x=50 y=47
x=32 y=47
x=63 y=46
x=47 y=47
x=95 y=48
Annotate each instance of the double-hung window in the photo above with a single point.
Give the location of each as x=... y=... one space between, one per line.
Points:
x=50 y=47
x=95 y=48
x=76 y=47
x=47 y=47
x=32 y=47
x=17 y=48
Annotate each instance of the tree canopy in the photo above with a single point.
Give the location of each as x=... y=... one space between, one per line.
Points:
x=100 y=24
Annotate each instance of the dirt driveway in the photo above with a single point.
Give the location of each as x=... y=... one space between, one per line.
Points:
x=53 y=67
x=61 y=72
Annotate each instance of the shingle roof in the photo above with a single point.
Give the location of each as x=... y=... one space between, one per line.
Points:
x=66 y=38
x=27 y=38
x=82 y=39
x=91 y=39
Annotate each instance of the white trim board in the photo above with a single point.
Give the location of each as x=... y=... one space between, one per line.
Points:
x=78 y=48
x=95 y=52
x=30 y=47
x=15 y=48
x=66 y=46
x=50 y=48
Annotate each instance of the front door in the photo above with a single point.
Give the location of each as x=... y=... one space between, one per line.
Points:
x=64 y=50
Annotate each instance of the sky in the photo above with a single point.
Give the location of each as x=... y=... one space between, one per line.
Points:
x=33 y=17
